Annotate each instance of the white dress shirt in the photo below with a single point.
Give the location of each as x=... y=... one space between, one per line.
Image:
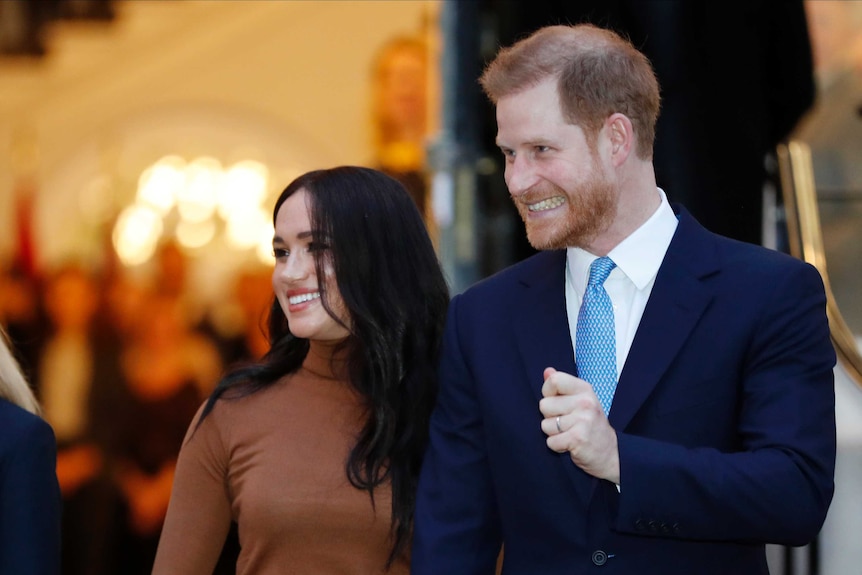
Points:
x=638 y=258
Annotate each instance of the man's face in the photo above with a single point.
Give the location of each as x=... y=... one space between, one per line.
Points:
x=556 y=178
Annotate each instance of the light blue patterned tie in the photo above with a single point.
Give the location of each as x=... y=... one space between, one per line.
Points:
x=595 y=337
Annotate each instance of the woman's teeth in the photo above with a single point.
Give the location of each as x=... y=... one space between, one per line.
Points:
x=293 y=300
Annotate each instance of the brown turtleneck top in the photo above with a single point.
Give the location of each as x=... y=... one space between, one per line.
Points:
x=274 y=462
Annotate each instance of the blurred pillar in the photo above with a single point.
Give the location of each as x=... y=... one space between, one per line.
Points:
x=453 y=155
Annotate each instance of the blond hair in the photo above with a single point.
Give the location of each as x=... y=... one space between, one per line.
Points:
x=13 y=384
x=598 y=73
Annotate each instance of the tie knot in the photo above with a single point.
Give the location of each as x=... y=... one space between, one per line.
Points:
x=600 y=269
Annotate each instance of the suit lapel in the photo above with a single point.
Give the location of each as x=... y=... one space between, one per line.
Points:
x=677 y=301
x=544 y=340
x=541 y=323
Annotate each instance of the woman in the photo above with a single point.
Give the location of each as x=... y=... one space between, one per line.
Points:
x=29 y=492
x=314 y=451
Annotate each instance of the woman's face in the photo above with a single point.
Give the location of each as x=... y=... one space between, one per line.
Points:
x=295 y=280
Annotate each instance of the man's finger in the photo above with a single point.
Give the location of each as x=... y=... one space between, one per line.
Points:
x=549 y=389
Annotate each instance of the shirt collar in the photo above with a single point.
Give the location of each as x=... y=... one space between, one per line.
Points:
x=639 y=256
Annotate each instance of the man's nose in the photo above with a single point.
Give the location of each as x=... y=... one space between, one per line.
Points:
x=520 y=175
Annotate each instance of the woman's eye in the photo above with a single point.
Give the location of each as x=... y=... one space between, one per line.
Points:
x=279 y=253
x=317 y=247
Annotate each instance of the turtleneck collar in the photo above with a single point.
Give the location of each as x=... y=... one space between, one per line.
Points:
x=325 y=359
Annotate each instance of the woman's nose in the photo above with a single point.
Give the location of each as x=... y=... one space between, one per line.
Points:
x=297 y=266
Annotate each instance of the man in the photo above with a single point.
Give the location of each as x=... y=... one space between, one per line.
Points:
x=714 y=433
x=741 y=72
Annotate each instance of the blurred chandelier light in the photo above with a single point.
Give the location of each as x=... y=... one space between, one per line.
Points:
x=198 y=201
x=136 y=234
x=242 y=187
x=159 y=184
x=195 y=234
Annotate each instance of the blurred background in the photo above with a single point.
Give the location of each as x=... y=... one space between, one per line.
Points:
x=143 y=143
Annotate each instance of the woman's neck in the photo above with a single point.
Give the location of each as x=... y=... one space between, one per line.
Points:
x=327 y=359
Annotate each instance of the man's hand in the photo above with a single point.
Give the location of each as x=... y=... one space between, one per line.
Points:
x=575 y=422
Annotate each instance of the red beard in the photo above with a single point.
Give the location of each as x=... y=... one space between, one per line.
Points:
x=588 y=211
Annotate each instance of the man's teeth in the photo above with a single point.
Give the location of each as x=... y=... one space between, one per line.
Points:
x=303 y=298
x=548 y=204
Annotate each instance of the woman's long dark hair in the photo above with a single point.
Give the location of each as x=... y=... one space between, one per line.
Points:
x=390 y=279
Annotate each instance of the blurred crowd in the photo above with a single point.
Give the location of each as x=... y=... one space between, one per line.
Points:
x=121 y=366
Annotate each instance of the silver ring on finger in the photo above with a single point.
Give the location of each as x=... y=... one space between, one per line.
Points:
x=557 y=421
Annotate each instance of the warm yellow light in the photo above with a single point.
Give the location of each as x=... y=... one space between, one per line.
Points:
x=96 y=201
x=207 y=163
x=196 y=200
x=244 y=229
x=159 y=184
x=263 y=250
x=199 y=189
x=243 y=187
x=195 y=234
x=136 y=234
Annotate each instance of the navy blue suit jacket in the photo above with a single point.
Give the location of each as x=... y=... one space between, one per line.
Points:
x=29 y=494
x=724 y=415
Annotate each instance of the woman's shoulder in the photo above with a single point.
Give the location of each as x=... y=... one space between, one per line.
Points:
x=19 y=426
x=14 y=417
x=239 y=403
x=229 y=420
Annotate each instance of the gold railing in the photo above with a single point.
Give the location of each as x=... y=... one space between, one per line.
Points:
x=805 y=237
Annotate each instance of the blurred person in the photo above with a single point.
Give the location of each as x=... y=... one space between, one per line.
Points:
x=399 y=114
x=22 y=317
x=315 y=450
x=30 y=502
x=162 y=329
x=80 y=386
x=252 y=298
x=171 y=279
x=122 y=302
x=641 y=396
x=164 y=387
x=200 y=339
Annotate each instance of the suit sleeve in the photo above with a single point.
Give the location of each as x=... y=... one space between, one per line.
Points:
x=777 y=486
x=199 y=513
x=30 y=500
x=457 y=529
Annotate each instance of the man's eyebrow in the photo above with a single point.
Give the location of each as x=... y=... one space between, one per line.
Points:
x=531 y=142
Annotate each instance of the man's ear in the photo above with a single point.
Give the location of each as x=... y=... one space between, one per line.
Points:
x=620 y=132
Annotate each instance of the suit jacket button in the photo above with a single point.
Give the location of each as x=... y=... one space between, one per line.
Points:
x=653 y=526
x=640 y=524
x=600 y=557
x=665 y=528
